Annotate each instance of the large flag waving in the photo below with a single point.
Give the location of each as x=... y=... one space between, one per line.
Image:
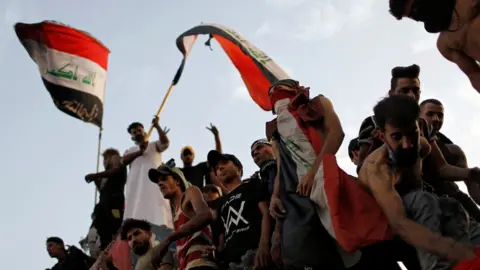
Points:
x=258 y=71
x=73 y=66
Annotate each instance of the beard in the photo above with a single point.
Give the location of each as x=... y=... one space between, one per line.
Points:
x=142 y=248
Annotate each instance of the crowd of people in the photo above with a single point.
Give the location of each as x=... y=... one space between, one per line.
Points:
x=299 y=210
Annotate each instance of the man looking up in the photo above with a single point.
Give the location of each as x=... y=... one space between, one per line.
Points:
x=199 y=174
x=392 y=173
x=432 y=111
x=144 y=200
x=192 y=236
x=457 y=21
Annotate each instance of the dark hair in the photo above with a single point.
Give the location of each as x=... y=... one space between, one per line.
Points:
x=130 y=224
x=431 y=100
x=397 y=110
x=411 y=72
x=134 y=125
x=111 y=152
x=397 y=8
x=56 y=240
x=352 y=146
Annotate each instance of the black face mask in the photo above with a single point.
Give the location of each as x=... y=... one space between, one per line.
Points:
x=404 y=157
x=436 y=15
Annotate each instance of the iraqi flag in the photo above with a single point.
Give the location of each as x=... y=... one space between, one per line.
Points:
x=73 y=65
x=258 y=71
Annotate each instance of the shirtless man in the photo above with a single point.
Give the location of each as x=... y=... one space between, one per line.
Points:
x=457 y=22
x=392 y=174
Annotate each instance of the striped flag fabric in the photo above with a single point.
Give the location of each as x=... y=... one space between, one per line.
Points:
x=73 y=66
x=258 y=71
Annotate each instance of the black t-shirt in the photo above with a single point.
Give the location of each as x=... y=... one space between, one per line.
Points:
x=196 y=174
x=76 y=260
x=241 y=219
x=112 y=188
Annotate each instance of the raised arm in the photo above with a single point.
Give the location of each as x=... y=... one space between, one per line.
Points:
x=163 y=142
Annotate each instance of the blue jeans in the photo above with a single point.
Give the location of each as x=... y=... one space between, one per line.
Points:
x=441 y=215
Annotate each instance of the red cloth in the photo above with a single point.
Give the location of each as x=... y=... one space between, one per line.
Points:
x=473 y=264
x=120 y=252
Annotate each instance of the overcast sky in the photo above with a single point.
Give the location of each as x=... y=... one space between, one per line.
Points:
x=342 y=49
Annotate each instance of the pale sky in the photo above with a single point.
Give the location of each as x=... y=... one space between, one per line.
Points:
x=342 y=49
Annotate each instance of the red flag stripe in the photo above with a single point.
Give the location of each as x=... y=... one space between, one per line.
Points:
x=65 y=39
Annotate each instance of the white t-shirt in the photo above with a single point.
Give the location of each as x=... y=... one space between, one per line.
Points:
x=143 y=199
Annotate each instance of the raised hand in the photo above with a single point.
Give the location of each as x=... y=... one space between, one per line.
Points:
x=213 y=129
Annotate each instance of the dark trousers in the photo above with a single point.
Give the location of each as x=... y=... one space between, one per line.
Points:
x=108 y=220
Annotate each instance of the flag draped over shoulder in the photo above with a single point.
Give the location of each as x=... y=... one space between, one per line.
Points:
x=73 y=65
x=257 y=70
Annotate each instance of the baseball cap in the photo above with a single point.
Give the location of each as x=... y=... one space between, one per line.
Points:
x=168 y=169
x=187 y=148
x=214 y=157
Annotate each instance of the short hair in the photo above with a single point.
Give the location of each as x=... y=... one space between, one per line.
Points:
x=432 y=101
x=56 y=240
x=397 y=8
x=411 y=72
x=134 y=125
x=111 y=152
x=131 y=223
x=352 y=146
x=397 y=110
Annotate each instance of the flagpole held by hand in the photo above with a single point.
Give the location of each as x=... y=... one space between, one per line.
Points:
x=160 y=109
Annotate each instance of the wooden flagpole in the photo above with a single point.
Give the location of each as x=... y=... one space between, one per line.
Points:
x=160 y=109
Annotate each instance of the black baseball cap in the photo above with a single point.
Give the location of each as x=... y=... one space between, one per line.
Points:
x=214 y=157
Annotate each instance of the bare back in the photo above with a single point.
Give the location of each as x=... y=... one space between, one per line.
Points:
x=466 y=30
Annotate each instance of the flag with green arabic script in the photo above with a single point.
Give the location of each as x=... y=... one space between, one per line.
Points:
x=73 y=66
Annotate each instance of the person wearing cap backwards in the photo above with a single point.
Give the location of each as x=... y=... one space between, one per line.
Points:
x=199 y=174
x=192 y=235
x=244 y=216
x=263 y=156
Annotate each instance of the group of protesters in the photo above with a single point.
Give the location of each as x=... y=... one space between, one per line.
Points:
x=299 y=210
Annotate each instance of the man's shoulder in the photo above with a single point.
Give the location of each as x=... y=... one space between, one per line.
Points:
x=373 y=157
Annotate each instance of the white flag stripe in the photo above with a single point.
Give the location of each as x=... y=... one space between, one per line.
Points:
x=68 y=70
x=188 y=42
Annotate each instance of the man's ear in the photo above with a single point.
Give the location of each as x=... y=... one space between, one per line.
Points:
x=381 y=135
